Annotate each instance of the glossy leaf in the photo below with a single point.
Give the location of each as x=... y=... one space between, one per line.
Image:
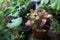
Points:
x=15 y=23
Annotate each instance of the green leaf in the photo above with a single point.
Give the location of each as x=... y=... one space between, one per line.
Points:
x=52 y=1
x=1 y=14
x=21 y=2
x=12 y=37
x=15 y=14
x=22 y=35
x=15 y=23
x=1 y=9
x=1 y=1
x=55 y=4
x=58 y=5
x=5 y=34
x=1 y=28
x=44 y=1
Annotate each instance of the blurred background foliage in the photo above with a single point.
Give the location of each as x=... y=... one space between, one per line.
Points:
x=9 y=30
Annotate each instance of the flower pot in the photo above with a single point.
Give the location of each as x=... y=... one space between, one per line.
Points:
x=39 y=33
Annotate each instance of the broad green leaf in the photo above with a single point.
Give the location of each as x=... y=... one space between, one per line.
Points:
x=53 y=5
x=58 y=5
x=52 y=1
x=27 y=4
x=15 y=14
x=1 y=1
x=1 y=14
x=1 y=9
x=44 y=1
x=21 y=2
x=15 y=23
x=12 y=9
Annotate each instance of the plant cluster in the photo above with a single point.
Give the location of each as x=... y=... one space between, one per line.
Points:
x=38 y=18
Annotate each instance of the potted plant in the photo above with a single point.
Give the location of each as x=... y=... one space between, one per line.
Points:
x=39 y=21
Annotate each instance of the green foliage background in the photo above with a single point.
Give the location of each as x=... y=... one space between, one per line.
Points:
x=13 y=8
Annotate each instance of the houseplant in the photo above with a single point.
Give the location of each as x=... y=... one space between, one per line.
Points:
x=39 y=21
